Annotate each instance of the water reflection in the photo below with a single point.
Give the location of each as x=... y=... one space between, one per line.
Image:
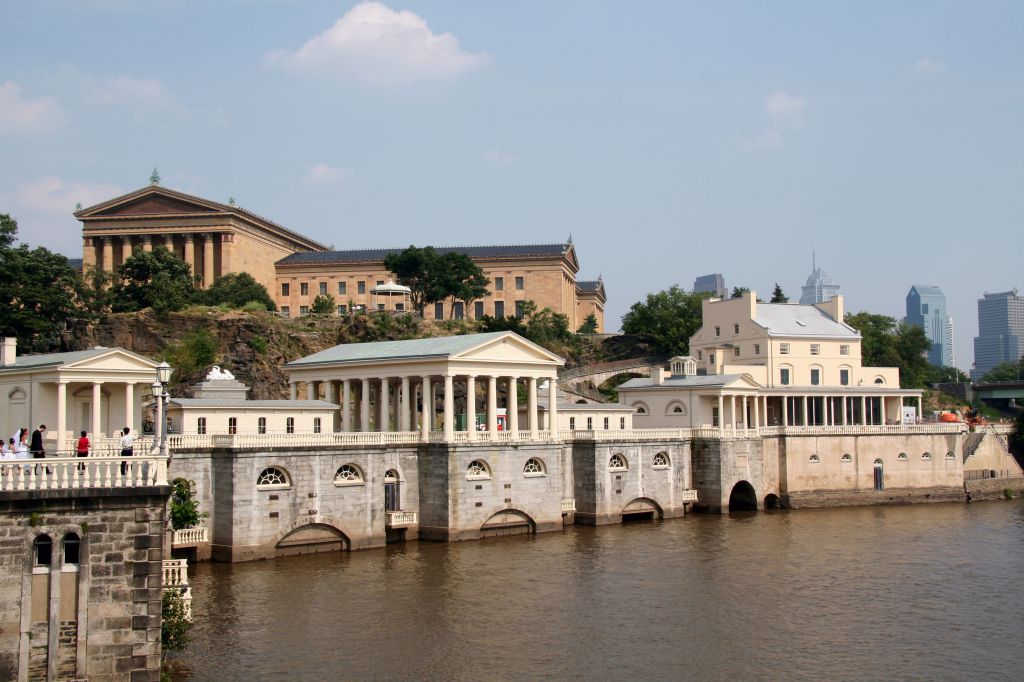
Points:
x=918 y=592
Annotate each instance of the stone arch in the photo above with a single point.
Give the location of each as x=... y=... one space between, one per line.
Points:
x=676 y=407
x=641 y=509
x=508 y=520
x=743 y=497
x=312 y=535
x=772 y=501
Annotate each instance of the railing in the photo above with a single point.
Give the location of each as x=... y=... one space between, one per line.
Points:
x=568 y=504
x=861 y=429
x=98 y=447
x=625 y=434
x=975 y=474
x=399 y=519
x=191 y=536
x=688 y=495
x=175 y=578
x=74 y=473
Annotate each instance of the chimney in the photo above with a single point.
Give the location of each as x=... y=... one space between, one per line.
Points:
x=658 y=374
x=9 y=352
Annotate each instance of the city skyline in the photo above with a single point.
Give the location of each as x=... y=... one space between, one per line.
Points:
x=771 y=129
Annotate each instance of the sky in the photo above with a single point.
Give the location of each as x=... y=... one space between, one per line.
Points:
x=669 y=139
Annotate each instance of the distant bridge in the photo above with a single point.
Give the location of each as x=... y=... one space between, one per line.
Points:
x=999 y=390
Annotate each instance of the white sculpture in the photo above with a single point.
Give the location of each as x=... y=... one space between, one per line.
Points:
x=218 y=374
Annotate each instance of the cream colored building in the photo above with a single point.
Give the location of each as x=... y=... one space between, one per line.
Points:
x=100 y=391
x=585 y=415
x=433 y=386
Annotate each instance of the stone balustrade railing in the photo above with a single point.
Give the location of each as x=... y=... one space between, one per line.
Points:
x=568 y=504
x=689 y=495
x=397 y=519
x=861 y=430
x=75 y=473
x=98 y=447
x=175 y=572
x=190 y=536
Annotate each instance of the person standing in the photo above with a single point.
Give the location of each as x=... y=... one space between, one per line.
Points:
x=37 y=442
x=82 y=450
x=127 y=449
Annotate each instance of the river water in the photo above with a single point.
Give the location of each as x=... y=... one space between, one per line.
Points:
x=923 y=592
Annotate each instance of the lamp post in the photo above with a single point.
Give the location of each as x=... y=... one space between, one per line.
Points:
x=163 y=376
x=157 y=390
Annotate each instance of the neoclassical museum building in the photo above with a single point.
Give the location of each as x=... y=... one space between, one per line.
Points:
x=217 y=239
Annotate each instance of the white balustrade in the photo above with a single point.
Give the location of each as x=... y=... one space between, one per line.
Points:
x=76 y=473
x=191 y=536
x=175 y=572
x=568 y=504
x=689 y=495
x=398 y=519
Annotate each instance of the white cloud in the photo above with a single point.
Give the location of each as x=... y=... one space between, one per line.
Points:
x=376 y=45
x=783 y=107
x=321 y=174
x=22 y=115
x=43 y=208
x=928 y=66
x=128 y=90
x=498 y=156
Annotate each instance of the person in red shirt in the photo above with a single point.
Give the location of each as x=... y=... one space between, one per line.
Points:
x=83 y=449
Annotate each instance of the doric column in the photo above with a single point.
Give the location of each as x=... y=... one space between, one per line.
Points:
x=126 y=249
x=403 y=408
x=803 y=408
x=208 y=259
x=227 y=247
x=757 y=413
x=721 y=413
x=920 y=408
x=364 y=406
x=385 y=404
x=190 y=251
x=346 y=405
x=732 y=412
x=129 y=405
x=293 y=389
x=471 y=407
x=147 y=243
x=108 y=254
x=864 y=410
x=426 y=418
x=311 y=392
x=553 y=407
x=62 y=413
x=785 y=410
x=97 y=398
x=512 y=406
x=449 y=408
x=492 y=407
x=845 y=422
x=531 y=406
x=746 y=423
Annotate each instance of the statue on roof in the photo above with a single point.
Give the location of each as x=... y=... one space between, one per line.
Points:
x=154 y=178
x=218 y=374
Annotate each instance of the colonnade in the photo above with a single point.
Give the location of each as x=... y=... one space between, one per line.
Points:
x=203 y=251
x=96 y=409
x=752 y=411
x=409 y=403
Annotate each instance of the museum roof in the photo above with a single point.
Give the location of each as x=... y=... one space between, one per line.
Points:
x=254 y=404
x=436 y=347
x=377 y=255
x=698 y=381
x=790 y=319
x=589 y=284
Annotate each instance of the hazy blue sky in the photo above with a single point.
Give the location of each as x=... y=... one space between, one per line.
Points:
x=670 y=139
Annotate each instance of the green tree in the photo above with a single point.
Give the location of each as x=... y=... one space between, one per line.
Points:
x=589 y=325
x=886 y=343
x=158 y=280
x=462 y=279
x=668 y=318
x=175 y=623
x=1008 y=371
x=38 y=291
x=946 y=375
x=737 y=292
x=420 y=269
x=184 y=507
x=778 y=296
x=323 y=305
x=236 y=290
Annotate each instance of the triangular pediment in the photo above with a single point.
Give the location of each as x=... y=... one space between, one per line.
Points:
x=154 y=204
x=509 y=348
x=116 y=359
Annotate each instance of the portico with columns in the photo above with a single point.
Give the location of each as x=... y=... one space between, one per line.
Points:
x=456 y=388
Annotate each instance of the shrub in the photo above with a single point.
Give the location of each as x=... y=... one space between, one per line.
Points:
x=184 y=509
x=175 y=626
x=195 y=351
x=1008 y=493
x=258 y=344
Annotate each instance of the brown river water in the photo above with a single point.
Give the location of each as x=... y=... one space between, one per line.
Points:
x=924 y=592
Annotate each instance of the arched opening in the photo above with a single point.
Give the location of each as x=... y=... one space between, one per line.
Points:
x=311 y=539
x=641 y=509
x=392 y=496
x=772 y=501
x=507 y=522
x=743 y=497
x=879 y=478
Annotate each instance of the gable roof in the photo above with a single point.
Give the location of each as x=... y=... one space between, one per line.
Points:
x=187 y=204
x=699 y=381
x=792 y=319
x=413 y=349
x=41 y=360
x=254 y=404
x=507 y=251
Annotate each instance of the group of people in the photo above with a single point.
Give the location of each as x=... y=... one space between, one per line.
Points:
x=19 y=446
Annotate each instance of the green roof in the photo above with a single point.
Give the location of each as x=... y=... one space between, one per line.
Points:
x=438 y=347
x=54 y=359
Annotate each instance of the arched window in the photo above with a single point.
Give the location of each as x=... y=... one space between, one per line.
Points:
x=478 y=470
x=815 y=459
x=617 y=463
x=272 y=478
x=902 y=457
x=42 y=550
x=950 y=455
x=348 y=474
x=676 y=407
x=533 y=467
x=641 y=408
x=662 y=461
x=72 y=549
x=846 y=458
x=927 y=456
x=878 y=462
x=879 y=380
x=391 y=476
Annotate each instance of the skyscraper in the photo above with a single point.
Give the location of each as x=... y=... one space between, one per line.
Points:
x=713 y=283
x=820 y=286
x=1000 y=331
x=926 y=308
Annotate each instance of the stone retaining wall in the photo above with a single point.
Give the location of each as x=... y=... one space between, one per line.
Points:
x=993 y=488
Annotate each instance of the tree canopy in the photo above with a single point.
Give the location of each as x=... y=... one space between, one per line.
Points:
x=544 y=327
x=236 y=290
x=589 y=325
x=737 y=292
x=432 y=277
x=323 y=305
x=778 y=296
x=158 y=280
x=888 y=343
x=1008 y=371
x=669 y=318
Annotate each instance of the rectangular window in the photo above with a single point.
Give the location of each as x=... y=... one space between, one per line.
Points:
x=572 y=423
x=261 y=425
x=342 y=288
x=303 y=310
x=714 y=416
x=457 y=311
x=606 y=423
x=815 y=349
x=286 y=289
x=323 y=288
x=783 y=349
x=499 y=283
x=735 y=329
x=289 y=425
x=590 y=423
x=478 y=310
x=342 y=309
x=286 y=311
x=232 y=425
x=757 y=349
x=380 y=282
x=924 y=308
x=700 y=355
x=380 y=306
x=520 y=283
x=201 y=426
x=399 y=307
x=844 y=377
x=499 y=309
x=736 y=351
x=784 y=376
x=622 y=422
x=711 y=358
x=718 y=331
x=316 y=424
x=360 y=287
x=439 y=311
x=519 y=309
x=844 y=349
x=304 y=289
x=815 y=377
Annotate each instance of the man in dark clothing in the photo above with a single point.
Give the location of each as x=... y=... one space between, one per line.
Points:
x=36 y=446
